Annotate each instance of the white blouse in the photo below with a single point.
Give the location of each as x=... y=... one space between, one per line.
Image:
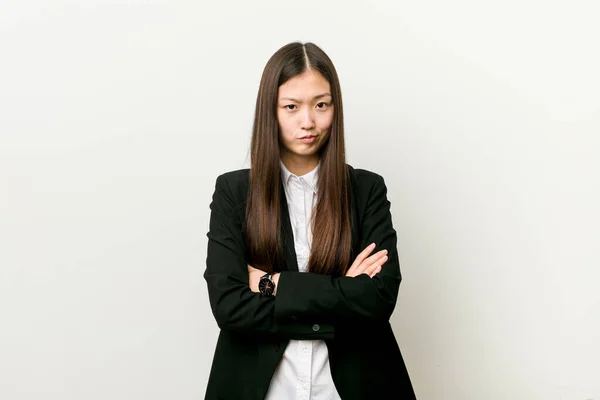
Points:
x=303 y=372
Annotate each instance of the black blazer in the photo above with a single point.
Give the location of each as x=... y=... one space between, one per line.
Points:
x=350 y=313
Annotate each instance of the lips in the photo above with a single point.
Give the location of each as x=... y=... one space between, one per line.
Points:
x=308 y=139
x=307 y=136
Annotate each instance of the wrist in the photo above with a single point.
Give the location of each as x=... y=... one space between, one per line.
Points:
x=267 y=284
x=276 y=281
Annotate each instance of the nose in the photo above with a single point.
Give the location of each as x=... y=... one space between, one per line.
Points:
x=307 y=121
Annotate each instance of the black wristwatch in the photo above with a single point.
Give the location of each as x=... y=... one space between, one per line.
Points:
x=266 y=285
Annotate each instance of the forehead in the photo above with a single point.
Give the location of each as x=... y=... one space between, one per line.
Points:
x=305 y=86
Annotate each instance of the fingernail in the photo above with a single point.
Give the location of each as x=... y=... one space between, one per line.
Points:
x=372 y=245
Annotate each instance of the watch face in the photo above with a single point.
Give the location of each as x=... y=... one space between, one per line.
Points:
x=266 y=286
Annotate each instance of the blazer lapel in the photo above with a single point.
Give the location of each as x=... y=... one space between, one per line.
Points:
x=289 y=249
x=354 y=217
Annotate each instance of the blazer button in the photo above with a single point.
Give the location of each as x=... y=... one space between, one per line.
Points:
x=294 y=318
x=316 y=327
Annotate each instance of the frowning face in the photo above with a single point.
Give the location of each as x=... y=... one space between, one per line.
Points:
x=305 y=115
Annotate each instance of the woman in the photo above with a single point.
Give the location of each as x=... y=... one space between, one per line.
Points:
x=302 y=301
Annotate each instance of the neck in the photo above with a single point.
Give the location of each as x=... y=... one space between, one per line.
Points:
x=300 y=165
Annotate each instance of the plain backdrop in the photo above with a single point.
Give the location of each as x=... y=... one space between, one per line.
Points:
x=116 y=117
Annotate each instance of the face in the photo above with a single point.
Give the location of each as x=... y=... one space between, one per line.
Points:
x=304 y=114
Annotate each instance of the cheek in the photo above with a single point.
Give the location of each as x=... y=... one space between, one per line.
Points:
x=325 y=121
x=285 y=127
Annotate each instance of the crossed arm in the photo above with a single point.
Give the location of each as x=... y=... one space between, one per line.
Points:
x=363 y=264
x=368 y=291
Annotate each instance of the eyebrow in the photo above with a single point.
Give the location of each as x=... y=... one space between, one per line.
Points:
x=320 y=96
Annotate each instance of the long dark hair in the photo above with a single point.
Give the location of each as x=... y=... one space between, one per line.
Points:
x=331 y=250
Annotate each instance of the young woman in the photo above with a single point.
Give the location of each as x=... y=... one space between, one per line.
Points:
x=302 y=300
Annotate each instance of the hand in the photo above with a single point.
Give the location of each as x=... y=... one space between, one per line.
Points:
x=369 y=266
x=254 y=275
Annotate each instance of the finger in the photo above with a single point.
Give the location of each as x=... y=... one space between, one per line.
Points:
x=366 y=251
x=375 y=257
x=370 y=263
x=377 y=265
x=361 y=257
x=376 y=271
x=363 y=254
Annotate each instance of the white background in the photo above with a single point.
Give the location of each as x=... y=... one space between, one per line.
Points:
x=117 y=117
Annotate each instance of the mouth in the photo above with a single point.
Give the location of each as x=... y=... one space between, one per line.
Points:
x=309 y=139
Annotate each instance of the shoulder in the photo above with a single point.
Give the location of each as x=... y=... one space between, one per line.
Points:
x=237 y=176
x=364 y=179
x=234 y=183
x=369 y=190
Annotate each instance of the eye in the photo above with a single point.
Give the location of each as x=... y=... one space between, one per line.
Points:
x=290 y=107
x=322 y=105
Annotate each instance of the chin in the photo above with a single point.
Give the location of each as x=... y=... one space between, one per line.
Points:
x=310 y=152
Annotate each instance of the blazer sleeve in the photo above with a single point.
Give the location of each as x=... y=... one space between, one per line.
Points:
x=234 y=306
x=348 y=299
